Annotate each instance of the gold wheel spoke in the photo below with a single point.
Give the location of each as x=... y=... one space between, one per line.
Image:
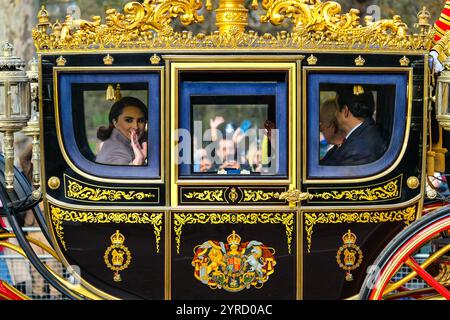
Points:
x=424 y=265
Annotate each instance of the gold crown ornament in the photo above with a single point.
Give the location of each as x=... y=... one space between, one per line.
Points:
x=360 y=61
x=155 y=59
x=117 y=238
x=61 y=61
x=108 y=60
x=358 y=90
x=312 y=60
x=234 y=238
x=404 y=62
x=349 y=237
x=43 y=17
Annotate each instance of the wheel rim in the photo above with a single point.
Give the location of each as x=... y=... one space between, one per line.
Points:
x=404 y=256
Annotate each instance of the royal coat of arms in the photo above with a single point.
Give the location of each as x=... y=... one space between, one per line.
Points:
x=233 y=266
x=117 y=257
x=349 y=256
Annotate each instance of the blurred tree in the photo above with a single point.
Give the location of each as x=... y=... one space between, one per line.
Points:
x=17 y=18
x=407 y=9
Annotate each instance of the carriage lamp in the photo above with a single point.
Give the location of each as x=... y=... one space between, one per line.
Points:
x=443 y=97
x=14 y=105
x=32 y=128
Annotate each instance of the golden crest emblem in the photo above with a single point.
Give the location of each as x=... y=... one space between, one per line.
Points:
x=233 y=266
x=117 y=257
x=349 y=256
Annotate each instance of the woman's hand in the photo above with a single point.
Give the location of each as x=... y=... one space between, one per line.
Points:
x=140 y=150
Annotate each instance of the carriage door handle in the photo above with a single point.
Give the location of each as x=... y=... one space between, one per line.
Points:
x=294 y=195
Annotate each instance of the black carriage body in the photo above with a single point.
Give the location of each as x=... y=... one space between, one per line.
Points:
x=166 y=212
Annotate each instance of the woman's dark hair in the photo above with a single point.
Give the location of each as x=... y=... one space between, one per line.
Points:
x=103 y=132
x=361 y=105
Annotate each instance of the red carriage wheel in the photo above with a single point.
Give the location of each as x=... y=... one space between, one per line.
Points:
x=384 y=282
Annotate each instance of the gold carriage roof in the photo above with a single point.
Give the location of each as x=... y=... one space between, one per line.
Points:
x=316 y=25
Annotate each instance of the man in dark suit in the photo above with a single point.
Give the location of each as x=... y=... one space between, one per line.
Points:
x=363 y=141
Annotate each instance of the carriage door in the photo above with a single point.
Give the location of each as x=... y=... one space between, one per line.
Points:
x=232 y=236
x=361 y=172
x=104 y=211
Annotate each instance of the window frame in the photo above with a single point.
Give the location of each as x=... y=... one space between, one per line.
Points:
x=290 y=65
x=278 y=90
x=64 y=77
x=400 y=77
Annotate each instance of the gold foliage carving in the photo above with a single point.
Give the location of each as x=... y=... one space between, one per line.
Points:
x=323 y=22
x=60 y=215
x=259 y=195
x=76 y=190
x=389 y=190
x=206 y=195
x=182 y=219
x=317 y=25
x=136 y=24
x=406 y=215
x=57 y=219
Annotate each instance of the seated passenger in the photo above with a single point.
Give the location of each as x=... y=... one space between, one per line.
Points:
x=227 y=155
x=329 y=127
x=124 y=137
x=363 y=141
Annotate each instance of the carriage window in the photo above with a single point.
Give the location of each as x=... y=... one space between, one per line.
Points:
x=235 y=128
x=359 y=124
x=111 y=118
x=117 y=113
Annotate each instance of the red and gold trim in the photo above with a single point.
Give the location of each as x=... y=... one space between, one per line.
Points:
x=442 y=25
x=8 y=292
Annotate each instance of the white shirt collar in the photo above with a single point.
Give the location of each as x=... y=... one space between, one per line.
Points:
x=351 y=131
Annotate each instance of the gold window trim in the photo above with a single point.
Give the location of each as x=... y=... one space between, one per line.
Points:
x=56 y=71
x=396 y=162
x=235 y=63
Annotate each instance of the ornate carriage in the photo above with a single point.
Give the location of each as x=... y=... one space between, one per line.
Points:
x=291 y=229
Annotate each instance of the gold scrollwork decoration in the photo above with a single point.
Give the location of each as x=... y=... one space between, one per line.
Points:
x=317 y=25
x=76 y=190
x=406 y=216
x=389 y=190
x=60 y=215
x=259 y=195
x=137 y=23
x=206 y=195
x=182 y=219
x=323 y=22
x=57 y=219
